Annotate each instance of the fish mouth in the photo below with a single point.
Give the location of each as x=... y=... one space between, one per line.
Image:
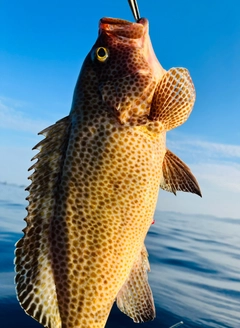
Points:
x=123 y=28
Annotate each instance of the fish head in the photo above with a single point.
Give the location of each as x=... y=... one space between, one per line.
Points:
x=122 y=77
x=123 y=68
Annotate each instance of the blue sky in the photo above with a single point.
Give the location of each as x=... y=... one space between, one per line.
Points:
x=42 y=47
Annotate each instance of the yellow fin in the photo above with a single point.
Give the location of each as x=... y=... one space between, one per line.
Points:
x=177 y=176
x=135 y=297
x=173 y=98
x=34 y=279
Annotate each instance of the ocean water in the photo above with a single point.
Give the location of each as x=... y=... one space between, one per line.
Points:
x=195 y=268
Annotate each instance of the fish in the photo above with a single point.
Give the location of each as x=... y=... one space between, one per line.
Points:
x=95 y=184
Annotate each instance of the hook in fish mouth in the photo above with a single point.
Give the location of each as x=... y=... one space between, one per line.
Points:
x=123 y=28
x=134 y=7
x=116 y=26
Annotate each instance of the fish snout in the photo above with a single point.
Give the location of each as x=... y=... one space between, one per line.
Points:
x=123 y=28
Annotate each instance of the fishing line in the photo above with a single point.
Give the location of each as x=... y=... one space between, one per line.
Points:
x=134 y=7
x=177 y=324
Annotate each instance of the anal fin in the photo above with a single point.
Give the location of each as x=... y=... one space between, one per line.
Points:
x=135 y=297
x=177 y=176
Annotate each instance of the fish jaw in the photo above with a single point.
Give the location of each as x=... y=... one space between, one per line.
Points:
x=138 y=35
x=121 y=28
x=157 y=69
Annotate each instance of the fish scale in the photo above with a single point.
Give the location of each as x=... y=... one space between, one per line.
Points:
x=96 y=181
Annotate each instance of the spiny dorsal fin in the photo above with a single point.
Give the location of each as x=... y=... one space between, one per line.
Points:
x=135 y=297
x=35 y=284
x=173 y=98
x=177 y=176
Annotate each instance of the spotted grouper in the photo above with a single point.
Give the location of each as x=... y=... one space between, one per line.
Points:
x=95 y=185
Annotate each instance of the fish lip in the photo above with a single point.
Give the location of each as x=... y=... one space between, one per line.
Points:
x=123 y=28
x=115 y=21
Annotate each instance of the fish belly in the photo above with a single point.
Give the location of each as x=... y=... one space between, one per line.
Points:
x=106 y=202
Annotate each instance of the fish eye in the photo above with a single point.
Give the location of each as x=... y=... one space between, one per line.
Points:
x=101 y=54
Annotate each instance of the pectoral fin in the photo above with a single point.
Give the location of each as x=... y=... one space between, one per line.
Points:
x=135 y=297
x=177 y=176
x=173 y=98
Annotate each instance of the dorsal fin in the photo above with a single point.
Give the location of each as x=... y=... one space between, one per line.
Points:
x=177 y=176
x=135 y=297
x=173 y=98
x=34 y=276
